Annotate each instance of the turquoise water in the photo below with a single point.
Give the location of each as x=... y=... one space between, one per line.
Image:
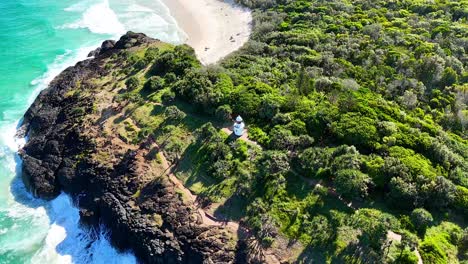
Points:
x=38 y=39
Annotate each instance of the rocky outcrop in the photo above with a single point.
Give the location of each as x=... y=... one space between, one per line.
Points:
x=143 y=213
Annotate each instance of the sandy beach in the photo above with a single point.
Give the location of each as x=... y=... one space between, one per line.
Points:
x=215 y=28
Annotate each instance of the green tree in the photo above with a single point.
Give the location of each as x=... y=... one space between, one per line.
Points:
x=168 y=96
x=304 y=82
x=208 y=133
x=346 y=157
x=443 y=193
x=269 y=107
x=155 y=83
x=275 y=162
x=463 y=244
x=431 y=253
x=246 y=103
x=221 y=169
x=430 y=70
x=421 y=219
x=224 y=112
x=173 y=113
x=312 y=160
x=281 y=139
x=406 y=257
x=461 y=199
x=402 y=190
x=132 y=83
x=392 y=168
x=319 y=229
x=449 y=77
x=408 y=241
x=352 y=183
x=355 y=129
x=177 y=61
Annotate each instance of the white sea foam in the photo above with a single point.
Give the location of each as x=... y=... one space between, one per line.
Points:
x=79 y=7
x=29 y=214
x=115 y=17
x=49 y=230
x=61 y=62
x=150 y=17
x=66 y=242
x=54 y=232
x=48 y=75
x=99 y=19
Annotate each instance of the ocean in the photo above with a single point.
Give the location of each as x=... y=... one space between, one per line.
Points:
x=39 y=39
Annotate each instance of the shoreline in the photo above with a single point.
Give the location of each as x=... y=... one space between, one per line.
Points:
x=215 y=28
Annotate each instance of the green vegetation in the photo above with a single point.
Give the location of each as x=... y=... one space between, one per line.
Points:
x=360 y=111
x=439 y=244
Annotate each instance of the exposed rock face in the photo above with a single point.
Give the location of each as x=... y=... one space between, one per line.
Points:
x=144 y=213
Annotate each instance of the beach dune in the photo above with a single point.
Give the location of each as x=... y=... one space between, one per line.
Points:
x=214 y=28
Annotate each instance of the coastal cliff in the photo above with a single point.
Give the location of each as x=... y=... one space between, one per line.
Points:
x=72 y=147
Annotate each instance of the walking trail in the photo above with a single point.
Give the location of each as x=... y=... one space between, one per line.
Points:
x=206 y=217
x=390 y=234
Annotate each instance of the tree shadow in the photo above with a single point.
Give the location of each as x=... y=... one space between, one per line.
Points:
x=157 y=110
x=192 y=167
x=297 y=187
x=312 y=255
x=106 y=114
x=146 y=92
x=233 y=209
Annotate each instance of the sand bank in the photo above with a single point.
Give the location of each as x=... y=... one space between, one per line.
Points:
x=215 y=28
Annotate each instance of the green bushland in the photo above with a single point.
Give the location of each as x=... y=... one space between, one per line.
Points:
x=360 y=109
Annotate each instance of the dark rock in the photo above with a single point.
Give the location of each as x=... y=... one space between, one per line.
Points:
x=132 y=39
x=66 y=175
x=95 y=52
x=107 y=45
x=59 y=157
x=52 y=147
x=39 y=179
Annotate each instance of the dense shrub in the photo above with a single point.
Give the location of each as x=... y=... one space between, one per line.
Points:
x=421 y=218
x=155 y=83
x=431 y=253
x=132 y=83
x=352 y=183
x=224 y=112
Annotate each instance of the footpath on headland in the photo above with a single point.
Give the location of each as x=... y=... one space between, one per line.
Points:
x=206 y=217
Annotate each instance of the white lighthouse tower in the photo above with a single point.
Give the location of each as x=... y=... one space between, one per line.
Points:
x=239 y=126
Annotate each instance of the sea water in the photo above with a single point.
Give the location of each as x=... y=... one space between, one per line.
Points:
x=39 y=39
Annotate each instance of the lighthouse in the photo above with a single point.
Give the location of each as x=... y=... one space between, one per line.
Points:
x=239 y=126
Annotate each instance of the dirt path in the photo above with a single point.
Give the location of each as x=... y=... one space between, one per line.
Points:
x=207 y=218
x=397 y=237
x=393 y=236
x=244 y=137
x=270 y=258
x=310 y=182
x=416 y=251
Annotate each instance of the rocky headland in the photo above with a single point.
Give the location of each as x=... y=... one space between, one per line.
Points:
x=73 y=147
